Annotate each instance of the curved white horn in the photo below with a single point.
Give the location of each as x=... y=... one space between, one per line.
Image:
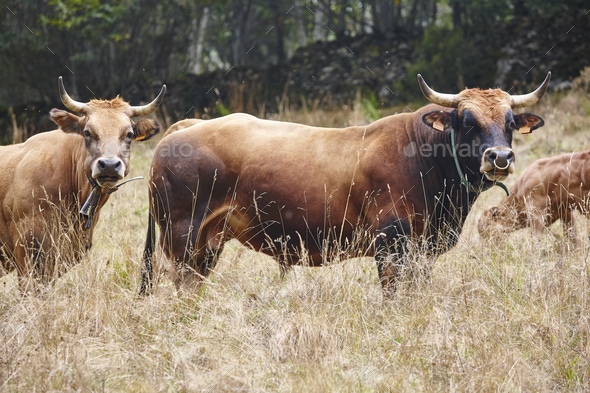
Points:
x=449 y=100
x=137 y=111
x=520 y=101
x=71 y=104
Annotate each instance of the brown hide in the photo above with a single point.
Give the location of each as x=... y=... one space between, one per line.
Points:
x=315 y=195
x=548 y=190
x=286 y=180
x=43 y=182
x=181 y=125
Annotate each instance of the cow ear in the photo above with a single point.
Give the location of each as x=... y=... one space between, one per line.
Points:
x=65 y=120
x=439 y=120
x=527 y=122
x=144 y=129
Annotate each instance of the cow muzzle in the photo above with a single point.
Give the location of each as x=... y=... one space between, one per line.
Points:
x=108 y=171
x=497 y=163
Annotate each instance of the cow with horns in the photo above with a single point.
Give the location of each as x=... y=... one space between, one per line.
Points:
x=313 y=195
x=46 y=179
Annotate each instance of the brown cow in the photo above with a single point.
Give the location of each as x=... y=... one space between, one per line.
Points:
x=181 y=125
x=43 y=181
x=314 y=194
x=550 y=189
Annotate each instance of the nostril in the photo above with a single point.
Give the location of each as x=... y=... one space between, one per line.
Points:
x=118 y=165
x=101 y=165
x=510 y=156
x=493 y=155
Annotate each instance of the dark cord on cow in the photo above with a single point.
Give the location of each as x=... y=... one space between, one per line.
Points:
x=89 y=207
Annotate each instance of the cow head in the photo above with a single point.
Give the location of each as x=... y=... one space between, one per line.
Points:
x=108 y=129
x=496 y=221
x=484 y=123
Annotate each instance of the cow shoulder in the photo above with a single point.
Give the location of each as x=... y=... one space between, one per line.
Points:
x=46 y=161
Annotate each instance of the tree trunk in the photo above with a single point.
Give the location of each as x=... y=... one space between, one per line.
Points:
x=397 y=15
x=434 y=10
x=385 y=17
x=17 y=136
x=301 y=27
x=111 y=80
x=279 y=31
x=341 y=18
x=363 y=18
x=243 y=14
x=520 y=9
x=72 y=69
x=318 y=19
x=236 y=45
x=411 y=23
x=375 y=14
x=197 y=37
x=328 y=17
x=456 y=4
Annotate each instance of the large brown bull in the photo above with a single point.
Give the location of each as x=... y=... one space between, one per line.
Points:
x=45 y=180
x=294 y=191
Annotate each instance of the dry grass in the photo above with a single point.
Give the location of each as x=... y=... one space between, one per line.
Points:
x=510 y=316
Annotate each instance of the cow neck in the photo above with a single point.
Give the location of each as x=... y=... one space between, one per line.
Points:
x=98 y=198
x=80 y=185
x=464 y=179
x=85 y=187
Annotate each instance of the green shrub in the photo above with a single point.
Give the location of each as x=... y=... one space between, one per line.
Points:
x=449 y=62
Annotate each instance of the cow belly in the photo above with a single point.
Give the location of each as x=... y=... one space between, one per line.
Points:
x=291 y=235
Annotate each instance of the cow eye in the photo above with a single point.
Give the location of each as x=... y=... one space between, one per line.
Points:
x=87 y=134
x=129 y=135
x=468 y=124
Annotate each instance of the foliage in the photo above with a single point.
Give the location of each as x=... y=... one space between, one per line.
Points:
x=449 y=62
x=130 y=47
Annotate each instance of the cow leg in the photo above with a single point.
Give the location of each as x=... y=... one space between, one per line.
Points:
x=202 y=263
x=196 y=258
x=537 y=225
x=390 y=251
x=22 y=265
x=569 y=227
x=147 y=270
x=31 y=264
x=210 y=261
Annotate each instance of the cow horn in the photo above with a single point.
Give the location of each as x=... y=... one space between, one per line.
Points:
x=449 y=100
x=72 y=105
x=523 y=100
x=137 y=111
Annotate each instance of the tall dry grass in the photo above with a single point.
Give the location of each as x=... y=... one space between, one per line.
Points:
x=507 y=316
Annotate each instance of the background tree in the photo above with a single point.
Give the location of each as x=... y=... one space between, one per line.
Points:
x=276 y=48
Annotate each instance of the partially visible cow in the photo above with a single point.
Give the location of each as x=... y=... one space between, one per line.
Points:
x=550 y=189
x=312 y=194
x=181 y=125
x=44 y=181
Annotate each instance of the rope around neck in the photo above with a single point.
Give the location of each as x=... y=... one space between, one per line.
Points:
x=89 y=207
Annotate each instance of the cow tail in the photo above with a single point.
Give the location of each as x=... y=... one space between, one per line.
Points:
x=147 y=271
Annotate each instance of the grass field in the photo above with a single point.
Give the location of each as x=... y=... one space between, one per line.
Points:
x=509 y=316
